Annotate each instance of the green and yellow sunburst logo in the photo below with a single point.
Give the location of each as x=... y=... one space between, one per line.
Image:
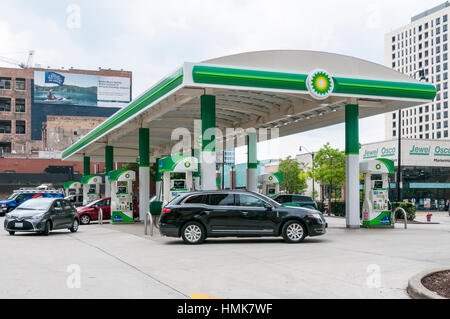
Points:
x=320 y=84
x=187 y=164
x=378 y=166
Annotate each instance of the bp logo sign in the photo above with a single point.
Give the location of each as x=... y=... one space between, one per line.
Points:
x=187 y=164
x=127 y=176
x=378 y=166
x=320 y=84
x=271 y=178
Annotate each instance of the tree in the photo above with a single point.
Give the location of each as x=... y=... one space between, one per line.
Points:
x=329 y=169
x=293 y=175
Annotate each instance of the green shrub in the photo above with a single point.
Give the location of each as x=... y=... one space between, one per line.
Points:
x=338 y=208
x=408 y=207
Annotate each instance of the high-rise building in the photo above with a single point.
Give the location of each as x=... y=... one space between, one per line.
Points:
x=420 y=49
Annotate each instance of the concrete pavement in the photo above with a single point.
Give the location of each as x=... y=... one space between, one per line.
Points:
x=116 y=261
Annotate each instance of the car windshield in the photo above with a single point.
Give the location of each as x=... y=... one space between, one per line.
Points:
x=37 y=204
x=13 y=196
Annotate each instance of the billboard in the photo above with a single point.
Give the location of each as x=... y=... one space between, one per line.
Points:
x=64 y=88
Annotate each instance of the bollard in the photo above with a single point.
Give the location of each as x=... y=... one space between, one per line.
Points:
x=148 y=223
x=100 y=216
x=429 y=218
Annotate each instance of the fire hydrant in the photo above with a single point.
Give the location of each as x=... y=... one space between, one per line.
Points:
x=429 y=217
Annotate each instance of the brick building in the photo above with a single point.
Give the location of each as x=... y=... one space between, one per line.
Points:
x=28 y=125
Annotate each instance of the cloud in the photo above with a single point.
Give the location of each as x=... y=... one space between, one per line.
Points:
x=152 y=38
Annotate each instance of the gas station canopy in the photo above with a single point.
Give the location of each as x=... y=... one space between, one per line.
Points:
x=254 y=90
x=293 y=91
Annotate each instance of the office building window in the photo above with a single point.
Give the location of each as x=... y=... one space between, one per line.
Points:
x=438 y=135
x=5 y=83
x=20 y=105
x=445 y=134
x=394 y=133
x=20 y=85
x=20 y=127
x=5 y=127
x=5 y=105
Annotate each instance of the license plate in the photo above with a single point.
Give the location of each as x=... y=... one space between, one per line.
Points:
x=19 y=225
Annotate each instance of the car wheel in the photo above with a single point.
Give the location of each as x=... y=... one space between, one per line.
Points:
x=75 y=225
x=12 y=233
x=47 y=228
x=85 y=220
x=193 y=233
x=294 y=232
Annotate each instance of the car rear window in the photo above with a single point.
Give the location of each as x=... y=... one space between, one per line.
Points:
x=283 y=199
x=197 y=199
x=221 y=199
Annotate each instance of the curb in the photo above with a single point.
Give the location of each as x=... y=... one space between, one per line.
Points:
x=418 y=291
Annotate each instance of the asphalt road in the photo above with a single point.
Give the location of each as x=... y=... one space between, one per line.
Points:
x=116 y=261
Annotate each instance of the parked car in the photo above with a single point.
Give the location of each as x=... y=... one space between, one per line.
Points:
x=19 y=197
x=295 y=201
x=90 y=212
x=42 y=215
x=199 y=215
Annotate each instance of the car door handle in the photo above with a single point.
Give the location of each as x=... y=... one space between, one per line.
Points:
x=245 y=213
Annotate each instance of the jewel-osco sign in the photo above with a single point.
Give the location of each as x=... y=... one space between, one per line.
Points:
x=441 y=151
x=320 y=84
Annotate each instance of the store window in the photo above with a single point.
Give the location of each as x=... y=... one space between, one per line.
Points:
x=5 y=105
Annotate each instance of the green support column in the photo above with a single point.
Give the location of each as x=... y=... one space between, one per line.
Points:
x=144 y=172
x=208 y=156
x=196 y=175
x=87 y=166
x=252 y=162
x=109 y=167
x=352 y=166
x=109 y=159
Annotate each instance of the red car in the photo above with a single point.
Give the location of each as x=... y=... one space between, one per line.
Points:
x=90 y=212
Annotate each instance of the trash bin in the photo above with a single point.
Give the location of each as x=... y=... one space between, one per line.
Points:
x=156 y=208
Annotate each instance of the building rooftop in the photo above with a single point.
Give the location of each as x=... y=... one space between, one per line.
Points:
x=430 y=11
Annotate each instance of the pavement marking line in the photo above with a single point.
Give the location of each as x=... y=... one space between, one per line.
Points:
x=130 y=265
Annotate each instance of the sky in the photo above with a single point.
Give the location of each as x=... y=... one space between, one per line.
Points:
x=152 y=38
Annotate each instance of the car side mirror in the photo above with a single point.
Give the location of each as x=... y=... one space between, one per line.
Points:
x=268 y=207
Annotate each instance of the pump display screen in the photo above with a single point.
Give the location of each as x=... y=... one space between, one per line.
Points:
x=179 y=184
x=378 y=185
x=122 y=190
x=92 y=189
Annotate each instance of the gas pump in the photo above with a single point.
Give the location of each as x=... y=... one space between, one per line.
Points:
x=270 y=183
x=72 y=188
x=182 y=164
x=377 y=212
x=91 y=188
x=122 y=195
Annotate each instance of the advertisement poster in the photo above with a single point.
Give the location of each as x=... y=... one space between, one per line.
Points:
x=80 y=89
